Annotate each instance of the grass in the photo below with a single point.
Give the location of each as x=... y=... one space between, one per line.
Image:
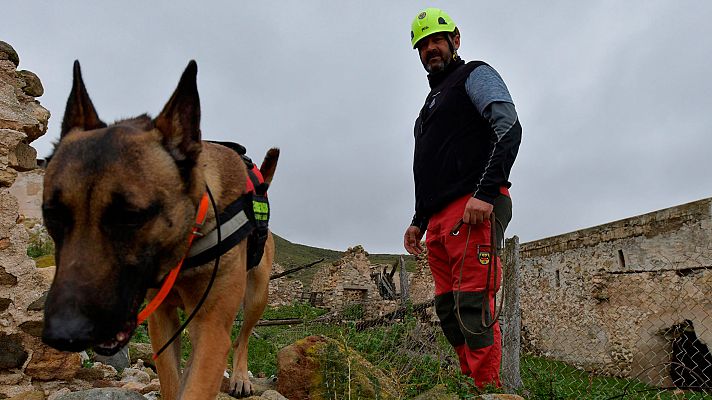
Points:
x=418 y=357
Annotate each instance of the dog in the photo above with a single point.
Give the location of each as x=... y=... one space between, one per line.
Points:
x=120 y=202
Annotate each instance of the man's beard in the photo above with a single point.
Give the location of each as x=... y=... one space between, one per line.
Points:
x=438 y=66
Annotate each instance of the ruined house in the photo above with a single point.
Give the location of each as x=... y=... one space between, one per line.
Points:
x=347 y=285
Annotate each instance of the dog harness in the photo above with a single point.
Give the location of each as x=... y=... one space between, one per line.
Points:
x=245 y=218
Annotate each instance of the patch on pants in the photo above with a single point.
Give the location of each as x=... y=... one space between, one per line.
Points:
x=470 y=319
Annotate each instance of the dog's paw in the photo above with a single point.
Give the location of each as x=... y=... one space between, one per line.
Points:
x=240 y=386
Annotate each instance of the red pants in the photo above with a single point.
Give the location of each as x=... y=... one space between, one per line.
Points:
x=460 y=291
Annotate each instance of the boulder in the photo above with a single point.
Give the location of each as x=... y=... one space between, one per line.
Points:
x=306 y=366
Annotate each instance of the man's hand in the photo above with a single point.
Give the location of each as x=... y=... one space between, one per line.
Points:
x=411 y=240
x=476 y=211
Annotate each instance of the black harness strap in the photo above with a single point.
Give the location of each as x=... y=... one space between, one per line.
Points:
x=245 y=218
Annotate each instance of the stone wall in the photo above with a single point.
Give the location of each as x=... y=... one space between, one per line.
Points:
x=604 y=298
x=282 y=291
x=348 y=281
x=25 y=363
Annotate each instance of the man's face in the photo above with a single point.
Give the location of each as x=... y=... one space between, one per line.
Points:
x=435 y=51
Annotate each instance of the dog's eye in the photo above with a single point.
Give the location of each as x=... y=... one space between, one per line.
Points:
x=129 y=217
x=122 y=216
x=57 y=218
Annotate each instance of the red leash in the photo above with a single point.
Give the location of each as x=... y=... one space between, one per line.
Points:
x=173 y=275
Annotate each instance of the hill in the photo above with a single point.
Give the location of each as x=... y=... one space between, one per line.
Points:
x=290 y=255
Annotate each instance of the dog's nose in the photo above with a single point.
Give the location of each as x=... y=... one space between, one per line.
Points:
x=68 y=332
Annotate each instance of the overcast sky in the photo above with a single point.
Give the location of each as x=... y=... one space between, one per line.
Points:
x=614 y=97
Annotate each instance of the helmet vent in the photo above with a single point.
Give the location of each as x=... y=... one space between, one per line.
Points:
x=441 y=21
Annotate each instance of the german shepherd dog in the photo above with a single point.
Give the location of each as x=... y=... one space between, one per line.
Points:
x=120 y=203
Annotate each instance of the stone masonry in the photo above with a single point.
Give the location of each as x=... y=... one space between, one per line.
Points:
x=348 y=281
x=24 y=361
x=604 y=298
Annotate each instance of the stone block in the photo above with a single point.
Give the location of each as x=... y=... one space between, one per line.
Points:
x=4 y=304
x=12 y=353
x=48 y=364
x=23 y=157
x=8 y=53
x=33 y=85
x=38 y=305
x=33 y=328
x=7 y=279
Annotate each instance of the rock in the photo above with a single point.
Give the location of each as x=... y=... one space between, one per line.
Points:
x=154 y=386
x=8 y=53
x=23 y=157
x=134 y=386
x=120 y=360
x=4 y=304
x=108 y=371
x=59 y=393
x=135 y=375
x=103 y=394
x=33 y=85
x=89 y=374
x=10 y=379
x=7 y=176
x=33 y=328
x=38 y=305
x=438 y=392
x=152 y=395
x=48 y=364
x=33 y=395
x=273 y=395
x=142 y=351
x=47 y=274
x=7 y=279
x=41 y=115
x=12 y=353
x=306 y=365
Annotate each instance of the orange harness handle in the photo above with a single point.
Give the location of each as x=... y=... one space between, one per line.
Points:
x=173 y=274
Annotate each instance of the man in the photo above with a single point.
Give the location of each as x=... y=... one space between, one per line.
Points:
x=466 y=139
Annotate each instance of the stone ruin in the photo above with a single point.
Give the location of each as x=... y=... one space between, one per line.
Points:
x=622 y=298
x=25 y=363
x=347 y=283
x=282 y=291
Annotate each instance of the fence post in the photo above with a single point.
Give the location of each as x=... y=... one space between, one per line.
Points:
x=511 y=327
x=403 y=282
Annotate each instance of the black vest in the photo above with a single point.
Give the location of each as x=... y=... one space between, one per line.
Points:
x=452 y=142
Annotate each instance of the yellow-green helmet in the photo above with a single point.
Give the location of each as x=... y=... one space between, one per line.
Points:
x=429 y=21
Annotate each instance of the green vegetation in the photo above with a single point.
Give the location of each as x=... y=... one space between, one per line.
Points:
x=40 y=244
x=418 y=357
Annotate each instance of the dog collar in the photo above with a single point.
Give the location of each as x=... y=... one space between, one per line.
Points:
x=173 y=274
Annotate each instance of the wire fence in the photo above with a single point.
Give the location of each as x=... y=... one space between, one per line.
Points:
x=625 y=339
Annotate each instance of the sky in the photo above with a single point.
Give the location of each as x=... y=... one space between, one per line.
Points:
x=614 y=98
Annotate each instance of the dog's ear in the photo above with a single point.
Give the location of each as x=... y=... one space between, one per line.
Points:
x=80 y=112
x=180 y=119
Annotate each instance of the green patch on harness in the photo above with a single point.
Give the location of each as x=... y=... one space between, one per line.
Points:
x=261 y=210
